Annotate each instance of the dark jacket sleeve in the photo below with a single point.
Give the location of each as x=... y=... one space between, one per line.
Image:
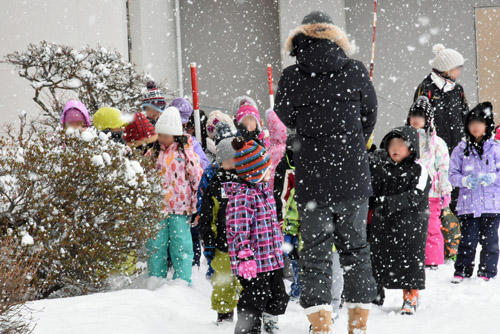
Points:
x=283 y=105
x=465 y=106
x=368 y=108
x=207 y=215
x=417 y=191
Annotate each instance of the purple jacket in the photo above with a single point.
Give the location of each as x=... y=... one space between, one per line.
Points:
x=484 y=199
x=252 y=228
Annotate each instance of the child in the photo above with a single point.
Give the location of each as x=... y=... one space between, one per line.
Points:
x=277 y=139
x=254 y=238
x=140 y=132
x=214 y=118
x=248 y=124
x=213 y=214
x=400 y=217
x=435 y=158
x=475 y=169
x=181 y=171
x=75 y=116
x=110 y=121
x=445 y=95
x=153 y=102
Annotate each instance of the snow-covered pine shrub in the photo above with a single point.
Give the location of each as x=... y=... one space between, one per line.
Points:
x=17 y=268
x=96 y=76
x=80 y=201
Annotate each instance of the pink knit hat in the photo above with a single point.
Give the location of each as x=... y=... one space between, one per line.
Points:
x=248 y=110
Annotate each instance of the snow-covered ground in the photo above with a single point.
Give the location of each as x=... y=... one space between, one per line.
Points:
x=172 y=307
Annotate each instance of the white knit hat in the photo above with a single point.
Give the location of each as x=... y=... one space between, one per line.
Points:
x=169 y=122
x=446 y=59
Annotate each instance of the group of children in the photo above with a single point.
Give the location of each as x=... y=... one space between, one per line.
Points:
x=236 y=189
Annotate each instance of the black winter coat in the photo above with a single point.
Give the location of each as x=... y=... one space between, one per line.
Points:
x=330 y=101
x=401 y=216
x=450 y=110
x=213 y=210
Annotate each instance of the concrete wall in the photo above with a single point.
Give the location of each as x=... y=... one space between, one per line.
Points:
x=406 y=32
x=71 y=22
x=232 y=41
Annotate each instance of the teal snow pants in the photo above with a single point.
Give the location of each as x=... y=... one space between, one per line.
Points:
x=176 y=233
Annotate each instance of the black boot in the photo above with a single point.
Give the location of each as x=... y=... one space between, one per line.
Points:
x=379 y=300
x=225 y=317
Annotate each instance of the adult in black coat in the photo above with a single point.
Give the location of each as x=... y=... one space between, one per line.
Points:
x=400 y=216
x=330 y=101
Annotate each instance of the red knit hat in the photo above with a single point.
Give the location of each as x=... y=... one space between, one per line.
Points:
x=251 y=160
x=140 y=129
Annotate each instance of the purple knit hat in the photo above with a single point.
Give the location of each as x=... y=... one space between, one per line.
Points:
x=185 y=108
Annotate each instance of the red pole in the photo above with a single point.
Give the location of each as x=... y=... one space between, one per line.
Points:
x=196 y=102
x=373 y=41
x=270 y=83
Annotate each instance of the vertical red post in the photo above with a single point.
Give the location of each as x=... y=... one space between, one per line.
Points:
x=196 y=102
x=270 y=83
x=373 y=40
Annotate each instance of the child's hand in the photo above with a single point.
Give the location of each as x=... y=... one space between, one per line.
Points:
x=471 y=182
x=488 y=179
x=247 y=269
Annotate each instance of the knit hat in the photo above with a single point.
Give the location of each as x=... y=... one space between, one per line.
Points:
x=251 y=160
x=170 y=123
x=154 y=97
x=446 y=59
x=422 y=107
x=247 y=109
x=215 y=117
x=317 y=17
x=241 y=100
x=75 y=111
x=139 y=129
x=224 y=150
x=109 y=118
x=223 y=131
x=185 y=108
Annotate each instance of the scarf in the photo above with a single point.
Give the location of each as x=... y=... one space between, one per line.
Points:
x=442 y=82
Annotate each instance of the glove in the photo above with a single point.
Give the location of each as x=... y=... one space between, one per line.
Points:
x=291 y=246
x=209 y=253
x=488 y=179
x=445 y=200
x=471 y=182
x=247 y=269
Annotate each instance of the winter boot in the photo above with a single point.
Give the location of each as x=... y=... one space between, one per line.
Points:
x=457 y=279
x=321 y=322
x=270 y=323
x=358 y=319
x=223 y=318
x=410 y=302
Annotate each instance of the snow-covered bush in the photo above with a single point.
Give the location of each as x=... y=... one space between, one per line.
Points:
x=17 y=268
x=80 y=201
x=95 y=76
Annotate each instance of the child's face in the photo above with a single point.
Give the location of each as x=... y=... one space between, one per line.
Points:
x=165 y=140
x=228 y=164
x=152 y=113
x=75 y=125
x=250 y=123
x=455 y=73
x=398 y=150
x=417 y=122
x=477 y=129
x=267 y=176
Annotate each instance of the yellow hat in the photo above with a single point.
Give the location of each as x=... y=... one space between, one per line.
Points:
x=370 y=142
x=108 y=118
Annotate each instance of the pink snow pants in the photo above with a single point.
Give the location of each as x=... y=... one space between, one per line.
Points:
x=434 y=250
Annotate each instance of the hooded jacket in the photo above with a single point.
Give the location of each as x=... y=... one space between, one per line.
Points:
x=466 y=161
x=401 y=214
x=330 y=101
x=277 y=140
x=72 y=104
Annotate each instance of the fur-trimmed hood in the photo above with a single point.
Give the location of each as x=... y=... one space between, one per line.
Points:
x=326 y=31
x=319 y=47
